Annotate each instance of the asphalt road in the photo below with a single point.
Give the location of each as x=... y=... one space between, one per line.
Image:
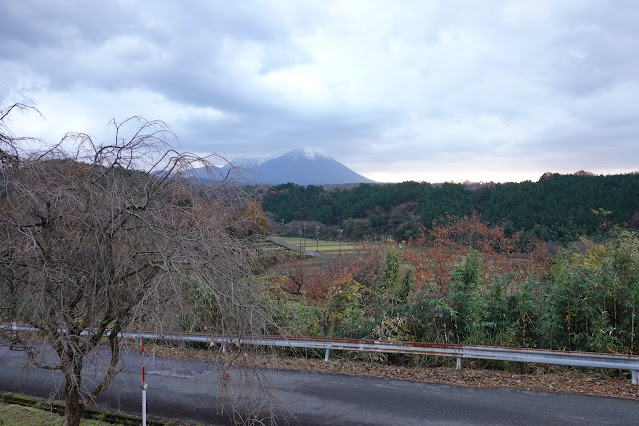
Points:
x=190 y=390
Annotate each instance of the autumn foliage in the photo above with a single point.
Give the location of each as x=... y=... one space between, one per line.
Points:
x=434 y=253
x=255 y=219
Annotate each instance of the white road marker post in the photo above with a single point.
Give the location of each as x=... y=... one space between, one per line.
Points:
x=144 y=386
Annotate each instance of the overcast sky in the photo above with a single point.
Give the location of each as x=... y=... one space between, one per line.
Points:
x=396 y=90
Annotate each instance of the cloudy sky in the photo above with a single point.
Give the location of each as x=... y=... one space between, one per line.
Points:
x=397 y=90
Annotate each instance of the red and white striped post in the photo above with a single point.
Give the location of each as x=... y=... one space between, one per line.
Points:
x=144 y=386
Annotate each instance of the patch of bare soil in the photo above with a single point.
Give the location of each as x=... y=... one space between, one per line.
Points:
x=530 y=377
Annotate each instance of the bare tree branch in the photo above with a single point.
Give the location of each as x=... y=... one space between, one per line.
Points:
x=108 y=236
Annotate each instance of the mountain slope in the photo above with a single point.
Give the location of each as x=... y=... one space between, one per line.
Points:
x=306 y=167
x=300 y=166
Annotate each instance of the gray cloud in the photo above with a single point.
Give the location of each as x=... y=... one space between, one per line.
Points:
x=401 y=91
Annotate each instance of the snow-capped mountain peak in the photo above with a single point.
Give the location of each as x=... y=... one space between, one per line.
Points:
x=307 y=153
x=306 y=166
x=303 y=166
x=248 y=163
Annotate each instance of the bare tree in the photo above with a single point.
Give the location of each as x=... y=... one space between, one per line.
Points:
x=96 y=238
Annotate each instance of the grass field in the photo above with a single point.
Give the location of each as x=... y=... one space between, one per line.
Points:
x=24 y=410
x=330 y=248
x=18 y=415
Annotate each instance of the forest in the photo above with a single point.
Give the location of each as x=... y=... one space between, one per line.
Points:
x=558 y=207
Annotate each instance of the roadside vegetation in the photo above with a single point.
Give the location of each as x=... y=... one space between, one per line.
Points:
x=31 y=412
x=18 y=410
x=18 y=415
x=464 y=281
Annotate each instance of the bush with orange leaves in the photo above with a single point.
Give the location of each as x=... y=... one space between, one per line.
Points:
x=313 y=280
x=255 y=219
x=435 y=252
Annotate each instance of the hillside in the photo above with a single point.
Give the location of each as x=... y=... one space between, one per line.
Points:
x=556 y=208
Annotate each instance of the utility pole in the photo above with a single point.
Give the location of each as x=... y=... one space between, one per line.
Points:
x=340 y=230
x=304 y=235
x=300 y=243
x=317 y=228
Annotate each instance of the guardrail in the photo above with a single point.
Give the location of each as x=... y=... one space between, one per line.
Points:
x=542 y=356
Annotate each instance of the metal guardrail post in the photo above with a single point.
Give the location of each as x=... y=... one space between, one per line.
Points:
x=635 y=377
x=458 y=365
x=328 y=350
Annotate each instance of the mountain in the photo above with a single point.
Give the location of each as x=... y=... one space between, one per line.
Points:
x=249 y=163
x=300 y=166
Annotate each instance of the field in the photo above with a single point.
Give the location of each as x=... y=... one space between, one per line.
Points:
x=325 y=247
x=18 y=415
x=23 y=410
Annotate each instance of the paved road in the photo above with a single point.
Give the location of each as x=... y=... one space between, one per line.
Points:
x=190 y=390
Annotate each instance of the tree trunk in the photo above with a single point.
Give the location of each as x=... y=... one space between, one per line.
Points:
x=74 y=406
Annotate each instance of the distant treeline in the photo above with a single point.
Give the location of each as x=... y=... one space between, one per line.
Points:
x=556 y=208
